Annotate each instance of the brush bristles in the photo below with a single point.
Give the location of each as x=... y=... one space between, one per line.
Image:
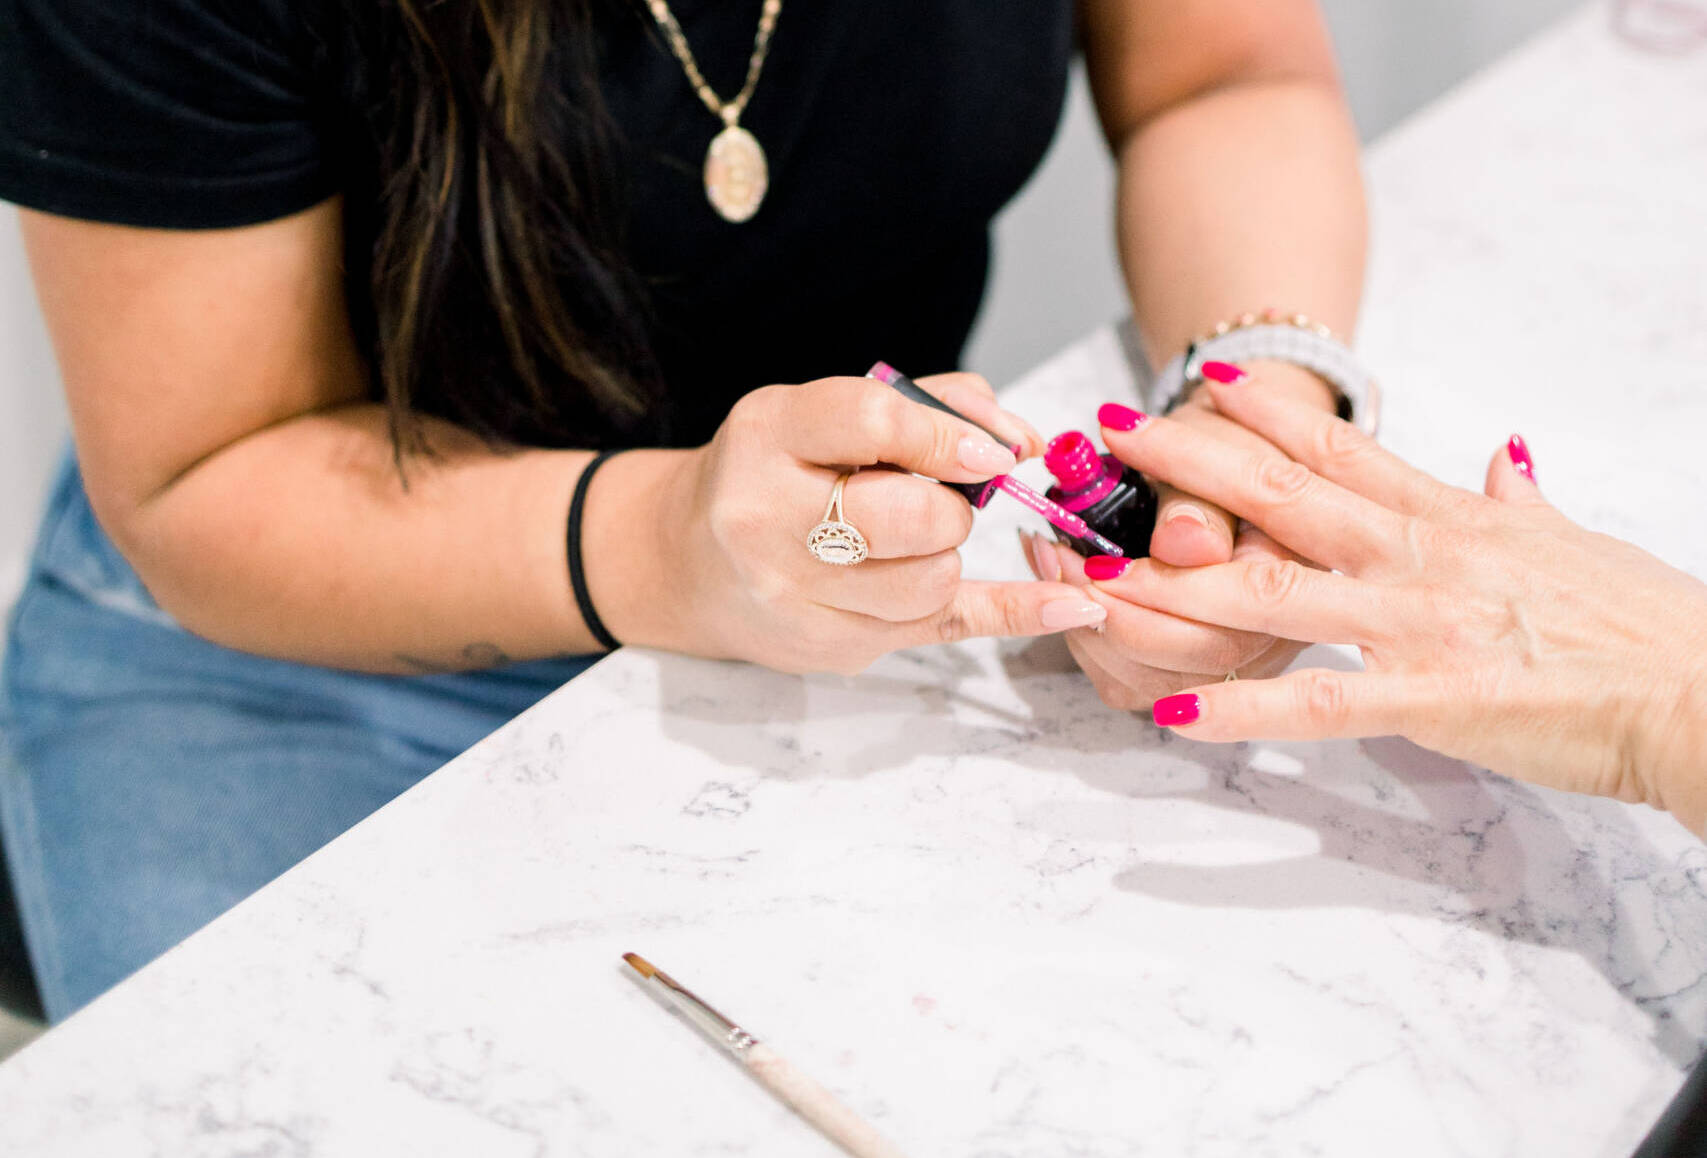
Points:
x=640 y=965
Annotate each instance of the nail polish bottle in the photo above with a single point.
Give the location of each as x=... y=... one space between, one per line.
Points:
x=1112 y=497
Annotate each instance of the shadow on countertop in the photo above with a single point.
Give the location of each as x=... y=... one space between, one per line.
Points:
x=1400 y=829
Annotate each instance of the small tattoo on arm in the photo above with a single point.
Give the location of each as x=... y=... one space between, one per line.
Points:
x=472 y=657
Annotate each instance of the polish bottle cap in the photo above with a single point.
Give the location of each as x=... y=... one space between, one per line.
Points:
x=1073 y=459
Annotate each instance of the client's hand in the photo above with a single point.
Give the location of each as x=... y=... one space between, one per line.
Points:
x=1140 y=655
x=1492 y=628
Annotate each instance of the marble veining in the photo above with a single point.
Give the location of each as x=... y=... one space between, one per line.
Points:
x=996 y=917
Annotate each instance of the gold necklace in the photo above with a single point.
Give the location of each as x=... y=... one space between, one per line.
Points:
x=736 y=173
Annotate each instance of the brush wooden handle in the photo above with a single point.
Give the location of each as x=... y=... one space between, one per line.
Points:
x=818 y=1106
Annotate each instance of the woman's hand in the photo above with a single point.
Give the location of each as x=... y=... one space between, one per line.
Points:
x=1140 y=655
x=1492 y=628
x=741 y=582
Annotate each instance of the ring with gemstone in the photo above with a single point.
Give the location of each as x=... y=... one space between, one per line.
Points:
x=835 y=540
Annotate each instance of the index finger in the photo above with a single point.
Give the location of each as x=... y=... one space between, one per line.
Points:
x=1298 y=508
x=1330 y=446
x=861 y=422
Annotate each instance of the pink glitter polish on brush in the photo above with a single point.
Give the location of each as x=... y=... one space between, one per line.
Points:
x=1109 y=496
x=1071 y=526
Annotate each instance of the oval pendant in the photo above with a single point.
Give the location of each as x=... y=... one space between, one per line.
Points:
x=736 y=175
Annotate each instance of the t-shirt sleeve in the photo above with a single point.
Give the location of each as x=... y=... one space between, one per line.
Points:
x=168 y=113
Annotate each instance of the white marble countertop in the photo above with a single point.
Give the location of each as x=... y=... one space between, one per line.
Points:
x=997 y=918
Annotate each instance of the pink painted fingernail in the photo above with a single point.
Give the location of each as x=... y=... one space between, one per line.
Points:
x=1222 y=372
x=984 y=457
x=1114 y=416
x=1061 y=614
x=1177 y=711
x=1105 y=567
x=1520 y=460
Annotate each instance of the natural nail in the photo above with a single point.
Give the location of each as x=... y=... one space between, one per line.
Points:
x=1177 y=711
x=1189 y=513
x=1520 y=460
x=1060 y=614
x=985 y=458
x=1222 y=372
x=1030 y=555
x=1105 y=567
x=1048 y=562
x=1114 y=416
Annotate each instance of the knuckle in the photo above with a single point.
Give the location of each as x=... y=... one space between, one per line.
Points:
x=1322 y=701
x=770 y=590
x=928 y=589
x=911 y=513
x=941 y=577
x=751 y=413
x=952 y=625
x=1271 y=583
x=876 y=417
x=997 y=613
x=734 y=522
x=1337 y=444
x=1278 y=480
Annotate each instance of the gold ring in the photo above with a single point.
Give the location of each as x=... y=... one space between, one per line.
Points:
x=835 y=540
x=1231 y=676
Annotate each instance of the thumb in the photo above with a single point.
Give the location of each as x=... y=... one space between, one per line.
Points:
x=1511 y=475
x=982 y=608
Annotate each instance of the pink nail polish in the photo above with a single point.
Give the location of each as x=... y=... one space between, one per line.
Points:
x=1520 y=460
x=1222 y=372
x=1177 y=711
x=1105 y=567
x=1114 y=416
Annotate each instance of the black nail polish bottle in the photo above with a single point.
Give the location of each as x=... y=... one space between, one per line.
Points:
x=1109 y=495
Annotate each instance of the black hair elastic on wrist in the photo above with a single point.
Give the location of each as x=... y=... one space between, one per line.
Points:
x=578 y=576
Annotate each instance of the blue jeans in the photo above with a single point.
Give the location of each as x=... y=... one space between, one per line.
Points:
x=149 y=779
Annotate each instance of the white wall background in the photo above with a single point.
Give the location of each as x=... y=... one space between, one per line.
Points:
x=32 y=416
x=1055 y=276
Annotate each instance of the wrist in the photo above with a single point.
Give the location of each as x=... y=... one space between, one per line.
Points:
x=1295 y=382
x=631 y=543
x=1666 y=755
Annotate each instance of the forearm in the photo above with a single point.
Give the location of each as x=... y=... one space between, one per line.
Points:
x=1245 y=197
x=303 y=542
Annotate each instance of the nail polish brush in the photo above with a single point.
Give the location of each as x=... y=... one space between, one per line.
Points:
x=980 y=494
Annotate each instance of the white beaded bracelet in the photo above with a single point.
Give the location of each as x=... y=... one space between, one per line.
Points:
x=1293 y=339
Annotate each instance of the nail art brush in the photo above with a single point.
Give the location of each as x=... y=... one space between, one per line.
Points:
x=799 y=1092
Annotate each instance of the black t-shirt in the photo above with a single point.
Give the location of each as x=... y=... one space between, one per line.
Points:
x=895 y=129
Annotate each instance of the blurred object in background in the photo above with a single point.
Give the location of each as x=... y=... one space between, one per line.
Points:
x=1669 y=26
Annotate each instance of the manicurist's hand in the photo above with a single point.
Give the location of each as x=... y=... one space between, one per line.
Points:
x=1139 y=655
x=1492 y=627
x=731 y=574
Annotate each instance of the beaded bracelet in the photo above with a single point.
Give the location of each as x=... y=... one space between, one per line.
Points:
x=1276 y=337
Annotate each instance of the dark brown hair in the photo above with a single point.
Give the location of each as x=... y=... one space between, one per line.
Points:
x=501 y=297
